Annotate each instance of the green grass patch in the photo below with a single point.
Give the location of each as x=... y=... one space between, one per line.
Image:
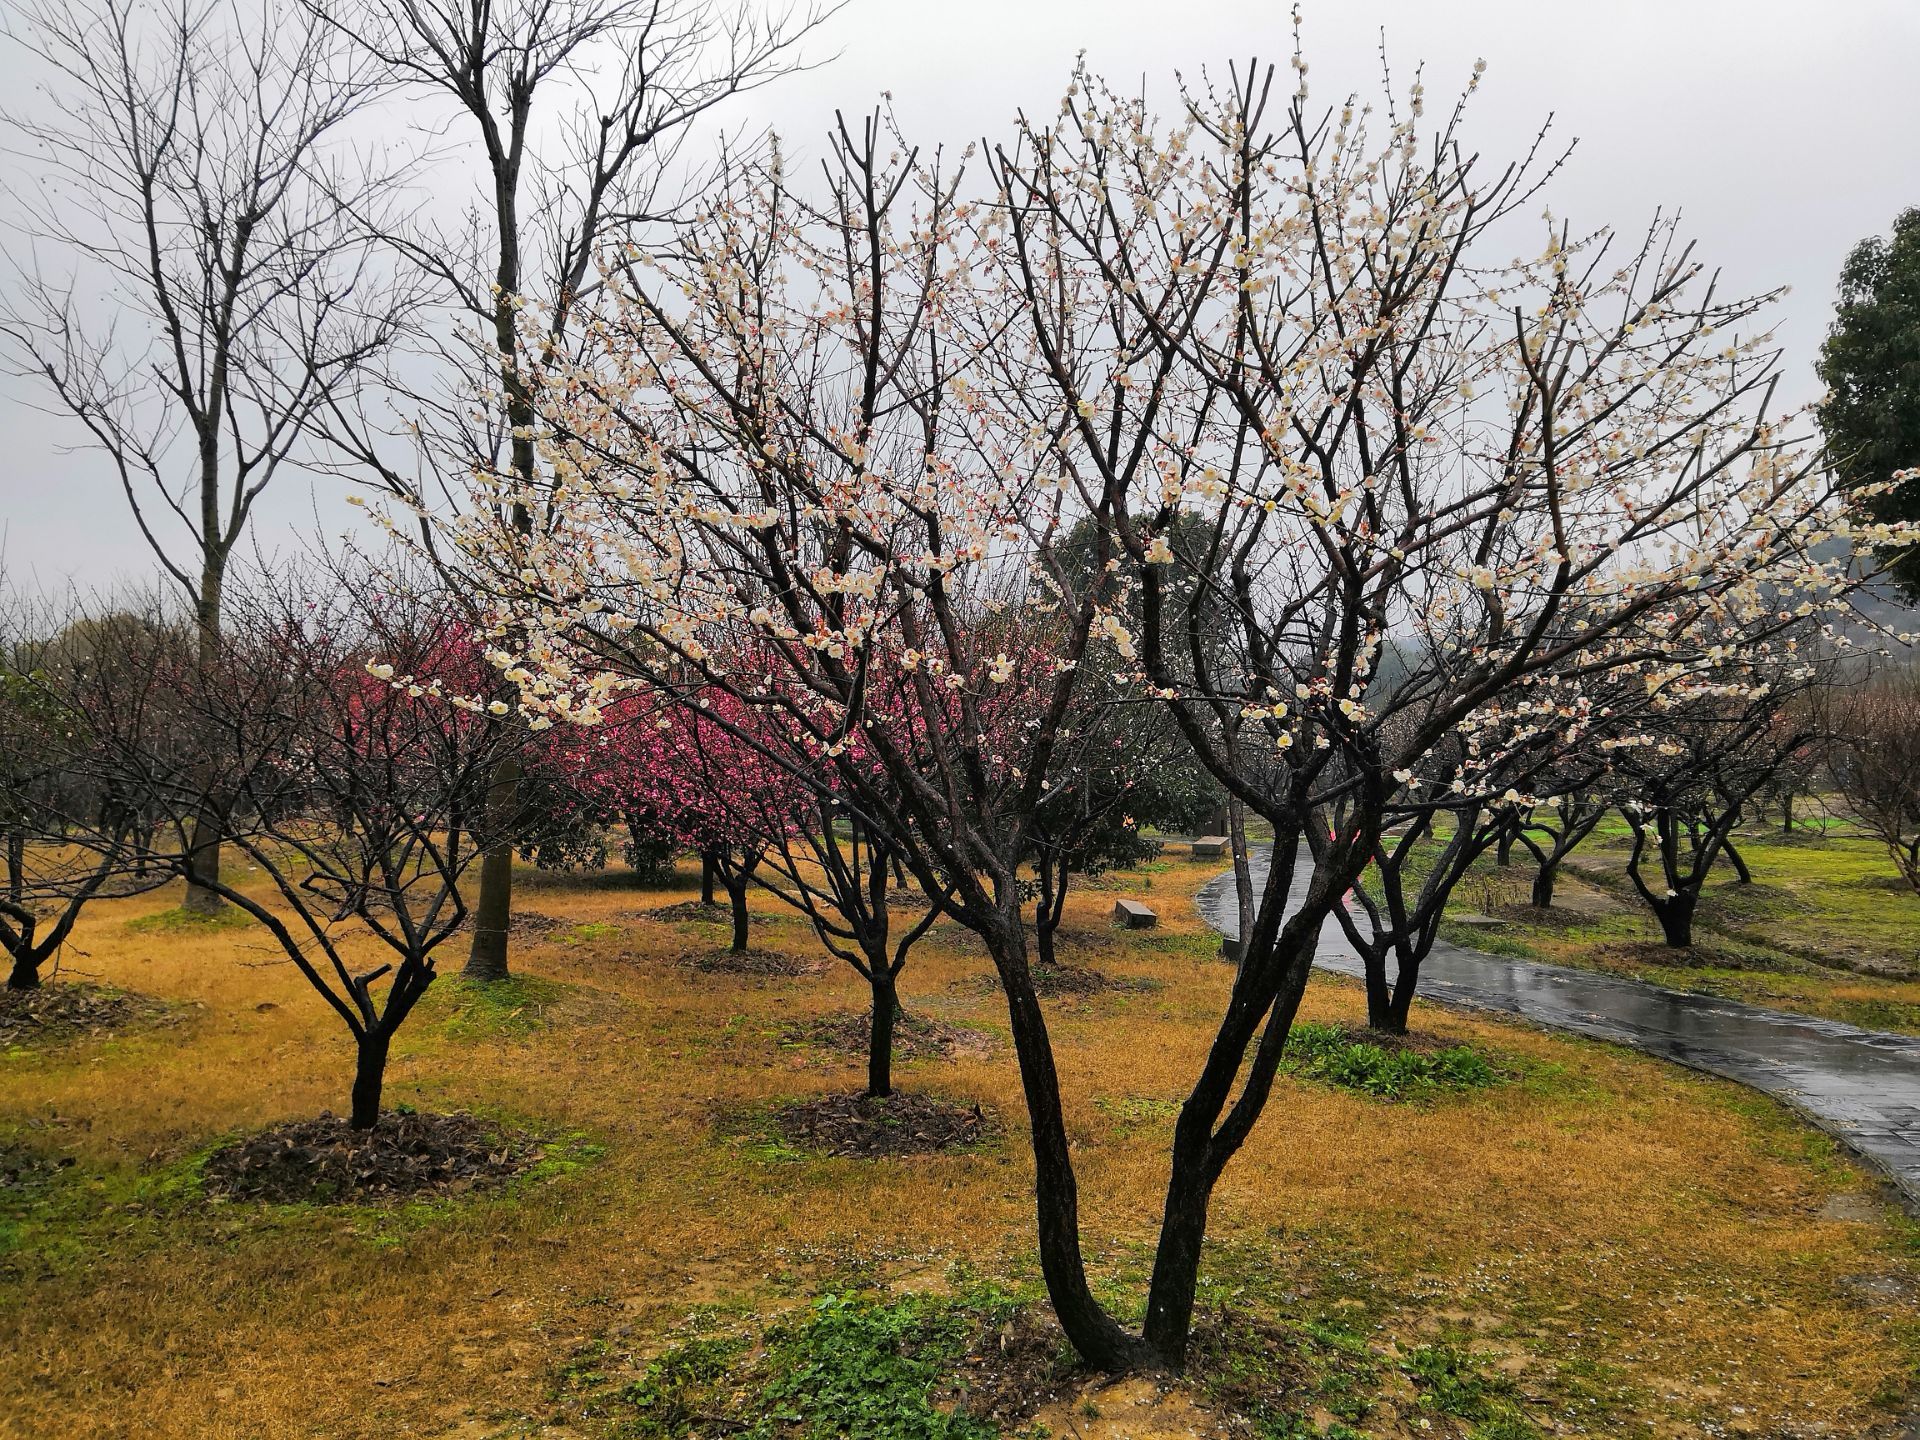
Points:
x=180 y=920
x=478 y=1010
x=850 y=1366
x=1451 y=1381
x=1333 y=1055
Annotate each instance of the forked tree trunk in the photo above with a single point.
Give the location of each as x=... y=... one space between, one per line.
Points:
x=1098 y=1338
x=369 y=1077
x=25 y=972
x=885 y=1013
x=493 y=909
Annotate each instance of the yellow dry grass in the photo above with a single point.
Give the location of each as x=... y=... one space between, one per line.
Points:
x=1607 y=1226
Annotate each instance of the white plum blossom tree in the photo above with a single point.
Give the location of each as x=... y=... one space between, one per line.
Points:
x=1363 y=493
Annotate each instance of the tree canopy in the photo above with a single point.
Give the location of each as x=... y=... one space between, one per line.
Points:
x=1870 y=363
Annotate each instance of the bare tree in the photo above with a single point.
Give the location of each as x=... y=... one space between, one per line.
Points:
x=576 y=114
x=66 y=838
x=352 y=754
x=187 y=159
x=1876 y=763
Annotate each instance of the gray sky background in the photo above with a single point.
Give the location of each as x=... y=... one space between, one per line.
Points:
x=1783 y=133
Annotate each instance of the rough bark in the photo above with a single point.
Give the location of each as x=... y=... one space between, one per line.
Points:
x=1737 y=860
x=886 y=1009
x=493 y=909
x=1676 y=920
x=369 y=1077
x=1098 y=1338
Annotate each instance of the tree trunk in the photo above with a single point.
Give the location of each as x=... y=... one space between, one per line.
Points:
x=16 y=866
x=1176 y=1259
x=1786 y=813
x=1738 y=861
x=1379 y=994
x=1543 y=879
x=1503 y=852
x=203 y=866
x=1676 y=920
x=25 y=974
x=707 y=868
x=1400 y=1008
x=1242 y=874
x=1088 y=1327
x=369 y=1075
x=886 y=1009
x=737 y=896
x=493 y=910
x=203 y=836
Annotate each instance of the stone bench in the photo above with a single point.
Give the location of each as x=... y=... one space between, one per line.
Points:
x=1133 y=915
x=1478 y=922
x=1209 y=847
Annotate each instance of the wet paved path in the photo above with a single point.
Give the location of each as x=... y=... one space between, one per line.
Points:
x=1862 y=1086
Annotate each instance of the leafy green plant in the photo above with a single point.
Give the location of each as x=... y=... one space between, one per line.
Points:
x=866 y=1369
x=679 y=1384
x=1333 y=1056
x=1452 y=1382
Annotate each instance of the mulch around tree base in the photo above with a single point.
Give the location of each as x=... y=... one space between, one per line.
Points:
x=1064 y=980
x=22 y=1170
x=751 y=962
x=900 y=1124
x=697 y=910
x=67 y=1010
x=1629 y=953
x=915 y=1037
x=324 y=1162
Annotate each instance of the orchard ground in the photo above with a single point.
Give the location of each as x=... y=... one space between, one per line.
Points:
x=1591 y=1244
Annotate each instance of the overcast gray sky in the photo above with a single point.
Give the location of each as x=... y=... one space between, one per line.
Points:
x=1782 y=132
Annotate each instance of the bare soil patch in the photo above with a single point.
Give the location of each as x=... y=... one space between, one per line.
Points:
x=915 y=1036
x=900 y=1124
x=70 y=1010
x=751 y=961
x=322 y=1161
